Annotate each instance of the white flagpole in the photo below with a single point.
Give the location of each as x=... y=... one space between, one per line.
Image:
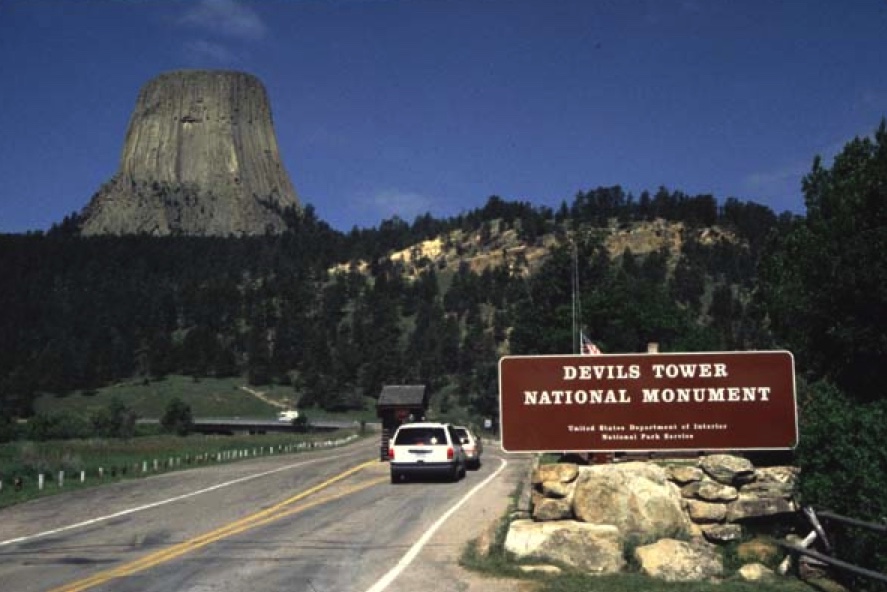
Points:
x=577 y=341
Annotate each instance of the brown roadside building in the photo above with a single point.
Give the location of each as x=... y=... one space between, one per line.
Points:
x=399 y=403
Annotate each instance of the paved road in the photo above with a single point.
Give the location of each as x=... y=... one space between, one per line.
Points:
x=326 y=521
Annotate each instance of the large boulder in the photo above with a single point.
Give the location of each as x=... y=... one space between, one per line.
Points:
x=592 y=548
x=785 y=475
x=635 y=497
x=547 y=508
x=557 y=489
x=774 y=482
x=769 y=490
x=722 y=533
x=712 y=491
x=553 y=487
x=683 y=474
x=558 y=472
x=677 y=561
x=756 y=572
x=750 y=506
x=728 y=469
x=703 y=512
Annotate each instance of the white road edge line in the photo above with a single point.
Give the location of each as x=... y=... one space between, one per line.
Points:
x=154 y=504
x=405 y=561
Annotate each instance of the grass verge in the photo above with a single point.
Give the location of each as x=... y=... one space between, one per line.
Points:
x=93 y=462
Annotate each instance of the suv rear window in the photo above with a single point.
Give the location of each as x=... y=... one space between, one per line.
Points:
x=425 y=436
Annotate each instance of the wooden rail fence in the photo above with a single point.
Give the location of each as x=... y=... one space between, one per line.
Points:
x=819 y=533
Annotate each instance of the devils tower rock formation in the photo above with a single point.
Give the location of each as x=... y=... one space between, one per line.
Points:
x=200 y=158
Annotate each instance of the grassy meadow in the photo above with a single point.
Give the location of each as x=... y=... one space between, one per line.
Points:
x=207 y=397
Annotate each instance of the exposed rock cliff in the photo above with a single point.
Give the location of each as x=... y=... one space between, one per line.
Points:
x=200 y=158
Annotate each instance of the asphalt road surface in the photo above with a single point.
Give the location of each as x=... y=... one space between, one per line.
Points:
x=327 y=521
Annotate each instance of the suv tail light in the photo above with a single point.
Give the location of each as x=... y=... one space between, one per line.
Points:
x=450 y=453
x=391 y=453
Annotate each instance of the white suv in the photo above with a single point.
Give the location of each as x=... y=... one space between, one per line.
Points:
x=472 y=445
x=419 y=449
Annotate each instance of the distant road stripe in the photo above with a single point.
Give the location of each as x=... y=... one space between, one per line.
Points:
x=405 y=561
x=177 y=498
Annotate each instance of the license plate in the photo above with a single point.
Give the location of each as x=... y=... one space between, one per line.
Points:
x=418 y=455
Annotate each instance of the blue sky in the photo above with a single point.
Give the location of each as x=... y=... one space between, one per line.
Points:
x=401 y=107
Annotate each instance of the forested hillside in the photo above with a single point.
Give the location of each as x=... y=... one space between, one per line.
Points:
x=336 y=315
x=83 y=312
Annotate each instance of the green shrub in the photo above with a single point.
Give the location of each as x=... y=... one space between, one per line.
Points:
x=56 y=426
x=8 y=429
x=177 y=418
x=843 y=458
x=114 y=421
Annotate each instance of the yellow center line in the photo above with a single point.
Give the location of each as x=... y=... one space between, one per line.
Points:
x=261 y=518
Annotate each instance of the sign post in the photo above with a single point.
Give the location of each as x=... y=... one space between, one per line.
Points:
x=648 y=402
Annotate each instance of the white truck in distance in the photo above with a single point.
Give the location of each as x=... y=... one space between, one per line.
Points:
x=288 y=415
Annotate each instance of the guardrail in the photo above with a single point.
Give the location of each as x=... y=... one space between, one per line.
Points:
x=818 y=533
x=247 y=425
x=57 y=479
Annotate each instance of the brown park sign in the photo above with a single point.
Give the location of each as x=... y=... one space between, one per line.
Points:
x=687 y=401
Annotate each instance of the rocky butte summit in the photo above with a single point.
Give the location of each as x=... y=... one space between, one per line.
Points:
x=200 y=158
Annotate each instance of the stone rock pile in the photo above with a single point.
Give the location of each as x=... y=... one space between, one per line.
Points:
x=669 y=517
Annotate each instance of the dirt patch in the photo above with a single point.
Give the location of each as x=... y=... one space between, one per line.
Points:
x=263 y=397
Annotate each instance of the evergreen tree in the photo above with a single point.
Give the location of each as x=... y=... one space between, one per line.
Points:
x=114 y=421
x=377 y=326
x=177 y=418
x=258 y=365
x=687 y=284
x=824 y=284
x=543 y=315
